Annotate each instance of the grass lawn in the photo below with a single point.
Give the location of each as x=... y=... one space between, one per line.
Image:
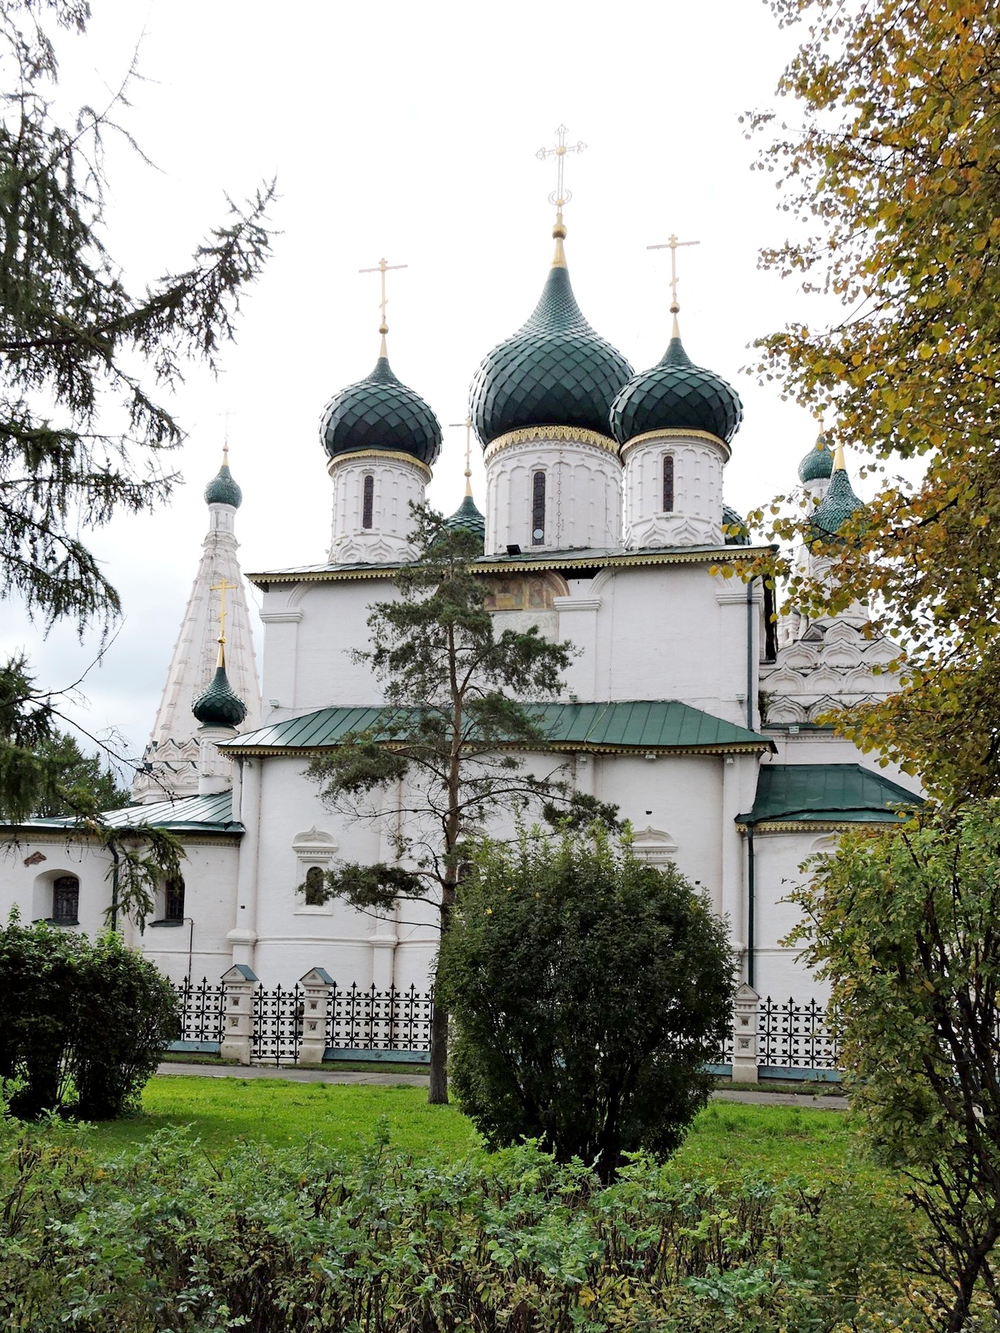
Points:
x=775 y=1140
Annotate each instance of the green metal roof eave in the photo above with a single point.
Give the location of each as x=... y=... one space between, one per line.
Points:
x=188 y=814
x=622 y=726
x=839 y=793
x=587 y=558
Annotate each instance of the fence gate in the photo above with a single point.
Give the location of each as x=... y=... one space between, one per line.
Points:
x=277 y=1025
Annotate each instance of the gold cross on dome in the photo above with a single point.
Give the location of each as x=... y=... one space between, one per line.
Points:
x=382 y=268
x=560 y=195
x=467 y=423
x=672 y=245
x=222 y=587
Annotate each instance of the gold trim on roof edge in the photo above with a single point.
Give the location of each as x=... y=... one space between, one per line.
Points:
x=397 y=455
x=562 y=747
x=550 y=434
x=811 y=825
x=676 y=433
x=717 y=555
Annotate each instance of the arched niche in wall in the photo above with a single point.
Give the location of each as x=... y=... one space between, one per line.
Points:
x=314 y=851
x=55 y=897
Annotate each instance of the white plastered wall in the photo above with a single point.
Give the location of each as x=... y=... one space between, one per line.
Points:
x=696 y=518
x=397 y=483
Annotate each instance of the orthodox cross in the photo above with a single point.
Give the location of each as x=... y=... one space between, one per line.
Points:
x=222 y=587
x=672 y=245
x=467 y=423
x=382 y=268
x=560 y=195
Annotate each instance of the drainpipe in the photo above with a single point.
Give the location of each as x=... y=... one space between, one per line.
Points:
x=751 y=925
x=750 y=659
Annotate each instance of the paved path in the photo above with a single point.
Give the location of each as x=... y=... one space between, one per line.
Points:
x=296 y=1075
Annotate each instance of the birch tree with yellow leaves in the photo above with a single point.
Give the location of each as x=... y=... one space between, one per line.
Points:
x=890 y=163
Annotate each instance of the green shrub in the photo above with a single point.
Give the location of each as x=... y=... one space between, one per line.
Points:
x=588 y=990
x=82 y=1023
x=300 y=1242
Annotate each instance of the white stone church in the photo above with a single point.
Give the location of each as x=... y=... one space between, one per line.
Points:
x=605 y=524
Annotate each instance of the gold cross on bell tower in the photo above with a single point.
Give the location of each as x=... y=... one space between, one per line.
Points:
x=467 y=423
x=382 y=268
x=673 y=244
x=560 y=195
x=222 y=587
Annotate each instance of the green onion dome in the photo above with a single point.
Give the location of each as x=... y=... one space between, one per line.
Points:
x=219 y=706
x=817 y=464
x=468 y=517
x=731 y=520
x=222 y=490
x=555 y=371
x=676 y=395
x=379 y=412
x=836 y=507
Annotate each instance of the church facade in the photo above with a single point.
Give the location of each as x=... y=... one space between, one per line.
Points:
x=686 y=704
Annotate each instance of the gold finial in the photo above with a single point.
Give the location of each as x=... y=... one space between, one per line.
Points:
x=382 y=268
x=838 y=460
x=672 y=245
x=225 y=454
x=560 y=196
x=222 y=587
x=467 y=423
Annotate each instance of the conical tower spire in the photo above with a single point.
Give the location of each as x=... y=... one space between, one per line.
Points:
x=171 y=759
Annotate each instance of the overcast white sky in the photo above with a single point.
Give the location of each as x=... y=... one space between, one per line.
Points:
x=410 y=130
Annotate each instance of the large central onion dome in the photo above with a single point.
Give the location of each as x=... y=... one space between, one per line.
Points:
x=555 y=371
x=676 y=395
x=379 y=412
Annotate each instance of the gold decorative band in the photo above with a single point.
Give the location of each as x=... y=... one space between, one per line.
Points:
x=382 y=456
x=677 y=433
x=550 y=435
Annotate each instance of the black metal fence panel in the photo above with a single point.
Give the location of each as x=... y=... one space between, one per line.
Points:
x=789 y=1035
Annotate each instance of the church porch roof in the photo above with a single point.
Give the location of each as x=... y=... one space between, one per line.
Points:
x=190 y=814
x=826 y=793
x=618 y=727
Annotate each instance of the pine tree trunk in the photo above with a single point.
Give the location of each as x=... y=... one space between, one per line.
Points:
x=438 y=1095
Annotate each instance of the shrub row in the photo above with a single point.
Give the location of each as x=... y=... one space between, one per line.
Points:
x=162 y=1239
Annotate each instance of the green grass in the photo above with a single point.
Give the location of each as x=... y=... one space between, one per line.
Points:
x=775 y=1140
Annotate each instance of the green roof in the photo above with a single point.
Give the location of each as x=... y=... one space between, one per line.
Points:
x=380 y=412
x=219 y=706
x=222 y=489
x=676 y=395
x=192 y=814
x=634 y=725
x=836 y=507
x=837 y=793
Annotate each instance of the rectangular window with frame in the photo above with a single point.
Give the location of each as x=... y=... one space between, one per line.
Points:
x=173 y=900
x=538 y=508
x=668 y=484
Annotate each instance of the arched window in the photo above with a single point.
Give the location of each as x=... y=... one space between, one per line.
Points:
x=537 y=508
x=66 y=900
x=315 y=887
x=173 y=900
x=668 y=484
x=368 y=501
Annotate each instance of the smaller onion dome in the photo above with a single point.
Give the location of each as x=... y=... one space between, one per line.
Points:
x=219 y=706
x=380 y=412
x=222 y=490
x=468 y=518
x=817 y=464
x=555 y=371
x=676 y=395
x=735 y=528
x=837 y=505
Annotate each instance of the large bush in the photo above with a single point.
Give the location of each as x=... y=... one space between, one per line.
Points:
x=82 y=1023
x=589 y=989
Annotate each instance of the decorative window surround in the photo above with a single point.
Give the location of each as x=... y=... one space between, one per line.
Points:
x=313 y=848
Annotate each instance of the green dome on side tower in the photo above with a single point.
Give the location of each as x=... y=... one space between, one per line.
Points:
x=838 y=504
x=222 y=490
x=555 y=371
x=676 y=395
x=219 y=706
x=817 y=464
x=380 y=412
x=468 y=518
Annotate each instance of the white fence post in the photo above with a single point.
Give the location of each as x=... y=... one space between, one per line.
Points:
x=237 y=1013
x=316 y=986
x=745 y=1035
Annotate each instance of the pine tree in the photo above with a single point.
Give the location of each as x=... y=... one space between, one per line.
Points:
x=455 y=711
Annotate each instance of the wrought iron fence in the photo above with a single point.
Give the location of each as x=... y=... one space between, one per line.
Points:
x=789 y=1035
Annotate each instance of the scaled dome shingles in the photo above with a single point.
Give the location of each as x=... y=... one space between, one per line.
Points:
x=675 y=394
x=555 y=371
x=380 y=412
